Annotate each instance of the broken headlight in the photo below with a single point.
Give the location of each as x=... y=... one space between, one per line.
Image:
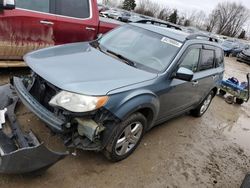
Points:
x=76 y=102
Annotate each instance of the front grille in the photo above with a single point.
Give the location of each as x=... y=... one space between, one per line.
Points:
x=43 y=91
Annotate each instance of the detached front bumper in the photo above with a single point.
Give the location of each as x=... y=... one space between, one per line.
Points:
x=21 y=152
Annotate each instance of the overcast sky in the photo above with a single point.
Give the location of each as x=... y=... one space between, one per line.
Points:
x=206 y=5
x=189 y=5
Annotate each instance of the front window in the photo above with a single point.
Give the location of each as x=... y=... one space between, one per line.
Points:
x=148 y=50
x=191 y=60
x=37 y=5
x=71 y=8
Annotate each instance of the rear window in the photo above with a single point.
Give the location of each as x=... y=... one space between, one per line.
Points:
x=37 y=5
x=207 y=60
x=73 y=8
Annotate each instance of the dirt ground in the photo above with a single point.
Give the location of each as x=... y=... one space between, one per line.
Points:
x=212 y=151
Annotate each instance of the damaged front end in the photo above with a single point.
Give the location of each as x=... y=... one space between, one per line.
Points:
x=20 y=152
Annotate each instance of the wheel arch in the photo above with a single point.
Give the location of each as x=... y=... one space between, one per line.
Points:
x=143 y=101
x=215 y=90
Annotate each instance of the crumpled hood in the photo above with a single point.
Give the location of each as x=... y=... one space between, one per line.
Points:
x=79 y=68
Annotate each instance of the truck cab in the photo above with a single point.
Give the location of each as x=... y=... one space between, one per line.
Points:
x=27 y=25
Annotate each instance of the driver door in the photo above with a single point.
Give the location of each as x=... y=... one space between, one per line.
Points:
x=180 y=95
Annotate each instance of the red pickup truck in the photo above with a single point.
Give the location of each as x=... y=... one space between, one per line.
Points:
x=27 y=25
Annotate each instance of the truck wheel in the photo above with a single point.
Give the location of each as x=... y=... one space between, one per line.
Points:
x=202 y=108
x=126 y=138
x=222 y=92
x=239 y=101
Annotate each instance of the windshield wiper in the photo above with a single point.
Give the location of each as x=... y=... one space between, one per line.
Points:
x=126 y=60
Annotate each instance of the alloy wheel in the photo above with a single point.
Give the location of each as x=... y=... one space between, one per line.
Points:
x=129 y=138
x=206 y=104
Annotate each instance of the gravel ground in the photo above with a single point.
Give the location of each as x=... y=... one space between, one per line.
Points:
x=212 y=151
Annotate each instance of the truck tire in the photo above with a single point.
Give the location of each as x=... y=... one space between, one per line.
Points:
x=202 y=108
x=126 y=138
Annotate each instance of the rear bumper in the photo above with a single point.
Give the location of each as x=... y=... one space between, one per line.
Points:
x=55 y=123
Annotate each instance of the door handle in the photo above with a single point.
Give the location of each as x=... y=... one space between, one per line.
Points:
x=46 y=22
x=195 y=83
x=90 y=28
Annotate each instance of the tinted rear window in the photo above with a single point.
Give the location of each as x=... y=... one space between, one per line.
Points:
x=73 y=8
x=37 y=5
x=207 y=61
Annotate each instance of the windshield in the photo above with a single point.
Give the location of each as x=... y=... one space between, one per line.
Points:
x=228 y=44
x=147 y=50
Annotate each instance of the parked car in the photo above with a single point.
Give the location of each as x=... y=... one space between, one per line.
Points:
x=239 y=48
x=101 y=96
x=244 y=56
x=135 y=18
x=228 y=47
x=114 y=14
x=124 y=17
x=35 y=24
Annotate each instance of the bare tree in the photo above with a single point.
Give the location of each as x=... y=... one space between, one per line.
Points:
x=147 y=7
x=164 y=13
x=212 y=21
x=231 y=18
x=112 y=3
x=193 y=18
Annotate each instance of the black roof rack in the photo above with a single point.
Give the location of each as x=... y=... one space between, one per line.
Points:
x=159 y=23
x=202 y=36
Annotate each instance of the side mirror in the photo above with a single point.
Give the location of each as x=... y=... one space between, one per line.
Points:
x=7 y=4
x=184 y=74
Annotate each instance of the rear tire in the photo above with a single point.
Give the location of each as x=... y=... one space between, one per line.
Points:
x=126 y=138
x=202 y=108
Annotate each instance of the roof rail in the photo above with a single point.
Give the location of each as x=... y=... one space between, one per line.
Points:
x=202 y=36
x=159 y=23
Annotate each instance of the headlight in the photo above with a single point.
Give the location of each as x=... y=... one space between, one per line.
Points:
x=77 y=103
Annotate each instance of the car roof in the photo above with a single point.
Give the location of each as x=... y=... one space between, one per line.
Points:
x=172 y=33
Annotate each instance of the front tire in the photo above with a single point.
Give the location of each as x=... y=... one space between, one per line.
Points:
x=126 y=138
x=202 y=108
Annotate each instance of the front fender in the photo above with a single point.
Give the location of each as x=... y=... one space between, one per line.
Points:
x=124 y=105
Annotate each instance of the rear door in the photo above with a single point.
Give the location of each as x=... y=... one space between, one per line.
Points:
x=207 y=74
x=76 y=20
x=26 y=28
